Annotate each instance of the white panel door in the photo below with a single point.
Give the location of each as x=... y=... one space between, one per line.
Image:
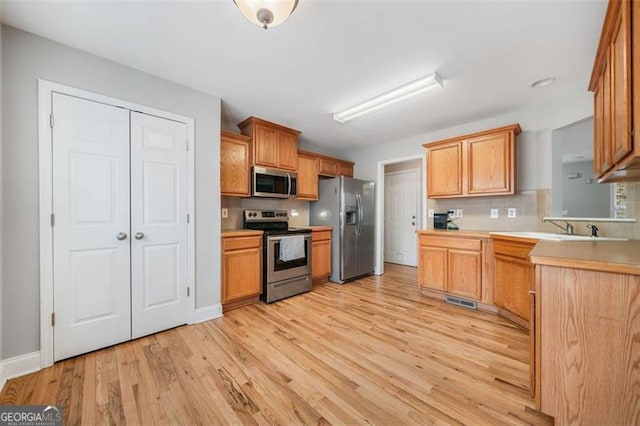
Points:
x=91 y=206
x=158 y=224
x=400 y=217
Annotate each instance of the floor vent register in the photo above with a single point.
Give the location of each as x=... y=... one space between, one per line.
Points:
x=469 y=304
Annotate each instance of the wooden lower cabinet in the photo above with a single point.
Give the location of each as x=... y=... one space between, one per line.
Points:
x=320 y=255
x=241 y=270
x=586 y=344
x=457 y=265
x=513 y=277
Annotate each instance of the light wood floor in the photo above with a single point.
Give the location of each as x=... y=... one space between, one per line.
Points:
x=370 y=351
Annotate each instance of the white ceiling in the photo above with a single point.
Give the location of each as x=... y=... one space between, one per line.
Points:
x=332 y=54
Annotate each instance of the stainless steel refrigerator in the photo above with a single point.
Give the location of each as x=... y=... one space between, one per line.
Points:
x=348 y=206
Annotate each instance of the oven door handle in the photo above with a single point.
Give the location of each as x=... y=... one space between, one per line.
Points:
x=306 y=237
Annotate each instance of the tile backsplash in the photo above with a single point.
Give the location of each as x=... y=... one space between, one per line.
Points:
x=531 y=207
x=237 y=205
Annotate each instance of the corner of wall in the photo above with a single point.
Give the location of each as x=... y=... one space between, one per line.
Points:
x=207 y=313
x=3 y=377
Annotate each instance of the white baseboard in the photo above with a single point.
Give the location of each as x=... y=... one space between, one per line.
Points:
x=21 y=365
x=3 y=377
x=207 y=313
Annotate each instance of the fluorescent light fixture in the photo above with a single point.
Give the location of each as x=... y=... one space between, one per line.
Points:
x=391 y=97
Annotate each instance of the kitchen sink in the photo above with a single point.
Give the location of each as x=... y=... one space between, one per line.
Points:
x=557 y=237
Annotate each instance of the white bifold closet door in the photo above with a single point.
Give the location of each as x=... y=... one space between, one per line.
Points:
x=120 y=233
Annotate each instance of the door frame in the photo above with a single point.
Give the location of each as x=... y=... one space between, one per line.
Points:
x=419 y=208
x=46 y=89
x=379 y=234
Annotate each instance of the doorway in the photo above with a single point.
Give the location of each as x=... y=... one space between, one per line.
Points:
x=400 y=195
x=116 y=183
x=401 y=192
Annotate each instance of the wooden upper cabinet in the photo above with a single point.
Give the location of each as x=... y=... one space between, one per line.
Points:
x=307 y=176
x=477 y=164
x=345 y=168
x=444 y=170
x=621 y=85
x=274 y=145
x=328 y=166
x=490 y=160
x=234 y=164
x=265 y=146
x=615 y=82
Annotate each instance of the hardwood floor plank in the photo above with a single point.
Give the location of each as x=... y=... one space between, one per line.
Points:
x=372 y=351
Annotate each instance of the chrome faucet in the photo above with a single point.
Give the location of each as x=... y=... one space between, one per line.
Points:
x=568 y=228
x=594 y=230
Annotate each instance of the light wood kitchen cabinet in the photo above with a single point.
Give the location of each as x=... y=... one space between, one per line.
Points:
x=307 y=177
x=586 y=327
x=234 y=165
x=444 y=170
x=331 y=167
x=274 y=145
x=615 y=81
x=241 y=270
x=477 y=164
x=345 y=168
x=320 y=255
x=513 y=277
x=456 y=264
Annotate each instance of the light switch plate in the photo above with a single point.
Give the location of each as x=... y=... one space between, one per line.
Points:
x=494 y=213
x=511 y=212
x=430 y=213
x=458 y=213
x=225 y=213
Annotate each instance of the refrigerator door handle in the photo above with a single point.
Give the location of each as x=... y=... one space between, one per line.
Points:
x=360 y=215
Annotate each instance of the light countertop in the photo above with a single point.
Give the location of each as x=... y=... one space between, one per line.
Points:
x=226 y=233
x=607 y=256
x=459 y=233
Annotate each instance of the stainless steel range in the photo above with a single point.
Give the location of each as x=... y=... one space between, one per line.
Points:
x=286 y=254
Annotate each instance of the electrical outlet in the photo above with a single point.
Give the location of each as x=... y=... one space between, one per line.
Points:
x=511 y=212
x=225 y=213
x=294 y=213
x=451 y=214
x=494 y=213
x=430 y=213
x=458 y=213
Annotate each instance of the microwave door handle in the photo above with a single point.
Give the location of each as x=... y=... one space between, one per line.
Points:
x=289 y=186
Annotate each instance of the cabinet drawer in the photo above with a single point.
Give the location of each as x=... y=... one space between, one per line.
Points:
x=451 y=242
x=320 y=235
x=238 y=243
x=512 y=249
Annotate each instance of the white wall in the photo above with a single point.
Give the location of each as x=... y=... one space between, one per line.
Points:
x=26 y=58
x=582 y=196
x=2 y=376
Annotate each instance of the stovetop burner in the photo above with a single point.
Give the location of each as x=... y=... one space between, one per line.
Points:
x=272 y=222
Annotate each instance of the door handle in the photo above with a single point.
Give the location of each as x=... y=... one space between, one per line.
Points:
x=139 y=235
x=121 y=236
x=413 y=223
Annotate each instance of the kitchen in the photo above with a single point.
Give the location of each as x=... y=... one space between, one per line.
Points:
x=538 y=118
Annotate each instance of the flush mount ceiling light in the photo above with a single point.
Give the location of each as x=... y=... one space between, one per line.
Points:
x=266 y=13
x=391 y=97
x=542 y=83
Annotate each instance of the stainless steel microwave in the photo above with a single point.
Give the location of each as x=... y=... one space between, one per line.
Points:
x=273 y=183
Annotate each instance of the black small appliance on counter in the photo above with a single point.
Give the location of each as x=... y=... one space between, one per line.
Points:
x=440 y=220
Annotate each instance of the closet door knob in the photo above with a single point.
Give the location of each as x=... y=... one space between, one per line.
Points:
x=139 y=235
x=121 y=236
